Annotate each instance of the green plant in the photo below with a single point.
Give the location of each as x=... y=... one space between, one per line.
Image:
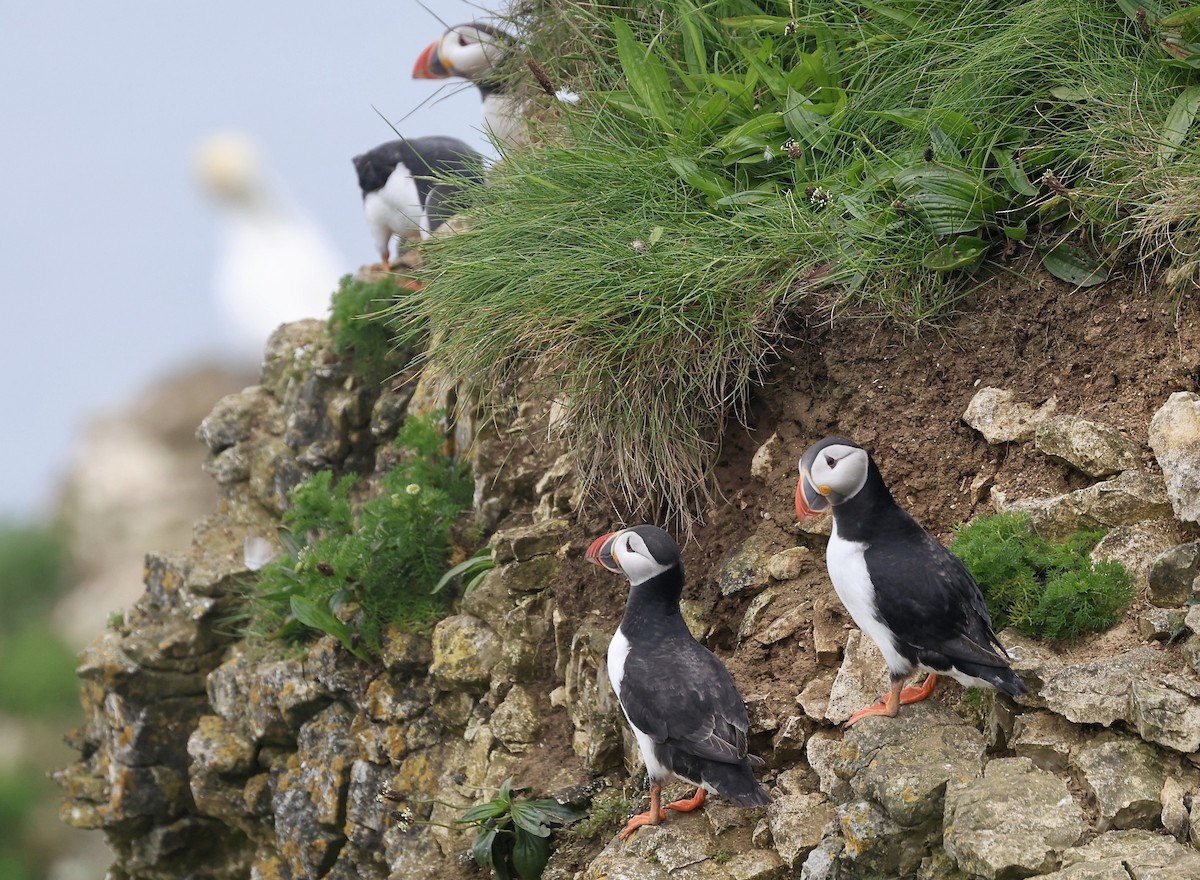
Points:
x=34 y=560
x=608 y=813
x=358 y=329
x=353 y=569
x=1044 y=589
x=514 y=833
x=471 y=572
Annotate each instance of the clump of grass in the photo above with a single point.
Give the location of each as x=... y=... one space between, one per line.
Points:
x=358 y=330
x=731 y=158
x=1044 y=589
x=35 y=562
x=354 y=569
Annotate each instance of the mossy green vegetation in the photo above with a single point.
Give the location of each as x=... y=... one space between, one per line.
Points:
x=1044 y=589
x=359 y=330
x=356 y=568
x=730 y=158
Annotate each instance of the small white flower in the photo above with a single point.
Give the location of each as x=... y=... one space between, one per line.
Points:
x=413 y=489
x=566 y=96
x=769 y=154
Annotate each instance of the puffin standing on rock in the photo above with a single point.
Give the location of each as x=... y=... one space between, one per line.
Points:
x=679 y=699
x=473 y=51
x=411 y=186
x=912 y=596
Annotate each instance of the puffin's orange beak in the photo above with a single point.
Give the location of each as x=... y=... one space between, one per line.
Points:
x=600 y=552
x=429 y=64
x=810 y=501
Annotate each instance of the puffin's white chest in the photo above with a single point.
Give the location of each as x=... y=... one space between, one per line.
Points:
x=618 y=652
x=847 y=564
x=504 y=120
x=395 y=208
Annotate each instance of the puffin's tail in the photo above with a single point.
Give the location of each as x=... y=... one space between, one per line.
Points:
x=1000 y=677
x=735 y=783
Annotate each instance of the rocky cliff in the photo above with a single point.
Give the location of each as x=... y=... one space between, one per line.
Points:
x=210 y=757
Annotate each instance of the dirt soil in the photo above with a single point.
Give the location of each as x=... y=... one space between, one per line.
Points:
x=1111 y=353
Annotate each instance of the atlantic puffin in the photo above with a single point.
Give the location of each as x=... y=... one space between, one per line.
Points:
x=412 y=186
x=680 y=701
x=473 y=51
x=912 y=596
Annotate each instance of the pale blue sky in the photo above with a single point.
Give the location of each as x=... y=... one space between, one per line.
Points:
x=106 y=247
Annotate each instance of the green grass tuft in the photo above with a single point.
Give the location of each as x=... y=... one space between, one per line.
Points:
x=359 y=331
x=1047 y=590
x=356 y=569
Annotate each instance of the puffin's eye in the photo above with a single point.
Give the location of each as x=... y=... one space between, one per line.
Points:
x=831 y=461
x=462 y=41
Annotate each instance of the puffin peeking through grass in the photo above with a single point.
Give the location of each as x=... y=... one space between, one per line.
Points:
x=679 y=699
x=473 y=51
x=911 y=595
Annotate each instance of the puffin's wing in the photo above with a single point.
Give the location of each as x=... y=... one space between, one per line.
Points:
x=687 y=700
x=930 y=600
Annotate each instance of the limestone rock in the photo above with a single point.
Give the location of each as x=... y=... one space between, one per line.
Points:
x=1046 y=739
x=789 y=564
x=873 y=844
x=904 y=764
x=516 y=721
x=1135 y=547
x=860 y=681
x=1174 y=814
x=1175 y=439
x=1146 y=855
x=1130 y=497
x=464 y=651
x=1157 y=624
x=814 y=699
x=1172 y=574
x=823 y=751
x=1123 y=779
x=523 y=543
x=745 y=568
x=797 y=823
x=765 y=457
x=994 y=413
x=1014 y=822
x=1095 y=449
x=216 y=746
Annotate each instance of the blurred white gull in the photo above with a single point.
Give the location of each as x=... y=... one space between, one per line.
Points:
x=273 y=264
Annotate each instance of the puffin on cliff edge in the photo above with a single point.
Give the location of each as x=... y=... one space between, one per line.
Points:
x=685 y=711
x=473 y=51
x=912 y=596
x=411 y=186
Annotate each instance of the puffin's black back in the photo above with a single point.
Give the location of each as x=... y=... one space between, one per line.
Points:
x=432 y=162
x=923 y=592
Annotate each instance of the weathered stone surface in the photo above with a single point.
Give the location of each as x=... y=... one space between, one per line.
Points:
x=829 y=633
x=860 y=681
x=230 y=420
x=465 y=650
x=1095 y=449
x=1174 y=815
x=789 y=564
x=1136 y=548
x=1157 y=624
x=1175 y=439
x=765 y=457
x=522 y=543
x=1046 y=739
x=745 y=568
x=995 y=414
x=516 y=720
x=873 y=844
x=823 y=752
x=1123 y=779
x=1129 y=498
x=1099 y=692
x=588 y=696
x=1012 y=823
x=216 y=746
x=797 y=823
x=814 y=699
x=904 y=764
x=1146 y=855
x=1172 y=574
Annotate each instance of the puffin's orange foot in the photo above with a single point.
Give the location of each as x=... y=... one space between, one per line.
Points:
x=686 y=805
x=883 y=707
x=646 y=818
x=916 y=694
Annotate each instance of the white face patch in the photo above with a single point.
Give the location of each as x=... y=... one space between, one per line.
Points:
x=839 y=471
x=633 y=556
x=470 y=52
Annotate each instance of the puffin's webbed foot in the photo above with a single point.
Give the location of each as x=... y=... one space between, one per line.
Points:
x=686 y=805
x=652 y=816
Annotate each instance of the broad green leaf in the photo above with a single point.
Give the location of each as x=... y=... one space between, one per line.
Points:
x=747 y=197
x=1019 y=232
x=753 y=130
x=965 y=252
x=1073 y=264
x=481 y=847
x=1070 y=94
x=1183 y=18
x=1013 y=174
x=774 y=23
x=645 y=73
x=316 y=615
x=889 y=10
x=481 y=561
x=952 y=123
x=529 y=818
x=530 y=854
x=804 y=122
x=704 y=116
x=947 y=200
x=482 y=812
x=694 y=53
x=708 y=183
x=944 y=148
x=1179 y=120
x=1132 y=8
